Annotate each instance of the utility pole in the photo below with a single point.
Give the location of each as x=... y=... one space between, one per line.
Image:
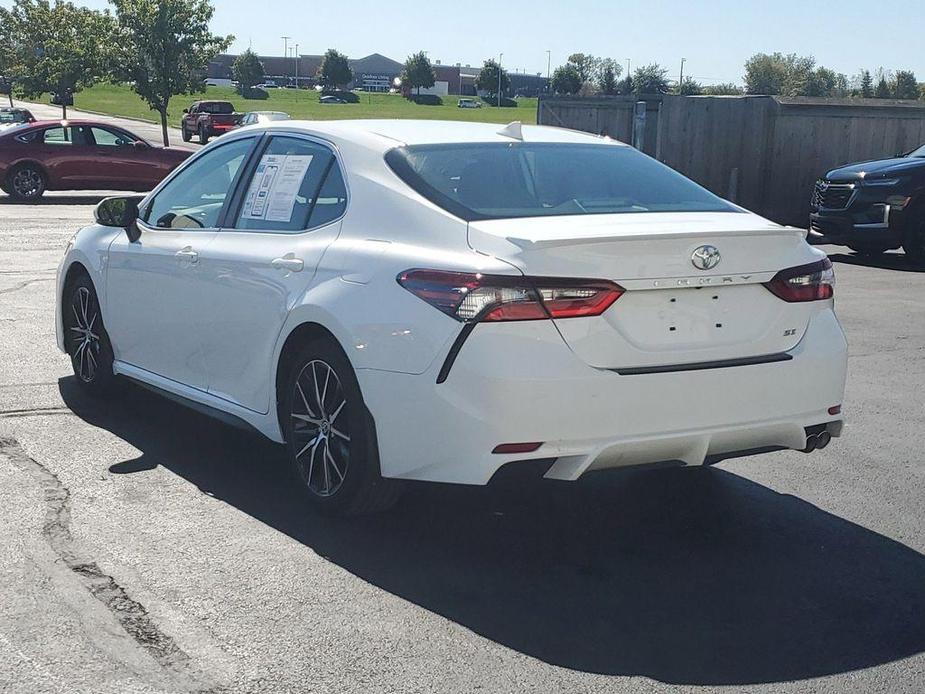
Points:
x=627 y=67
x=681 y=76
x=285 y=49
x=500 y=58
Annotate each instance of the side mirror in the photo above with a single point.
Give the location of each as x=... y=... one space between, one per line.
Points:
x=186 y=110
x=120 y=212
x=141 y=144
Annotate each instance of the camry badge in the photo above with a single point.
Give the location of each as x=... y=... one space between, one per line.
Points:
x=706 y=257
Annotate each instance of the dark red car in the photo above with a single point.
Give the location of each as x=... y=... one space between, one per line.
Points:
x=80 y=155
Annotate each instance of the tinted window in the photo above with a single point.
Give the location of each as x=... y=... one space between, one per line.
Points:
x=193 y=199
x=501 y=180
x=58 y=136
x=30 y=137
x=286 y=186
x=920 y=152
x=216 y=107
x=104 y=137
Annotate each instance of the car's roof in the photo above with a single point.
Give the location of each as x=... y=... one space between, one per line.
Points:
x=390 y=133
x=73 y=121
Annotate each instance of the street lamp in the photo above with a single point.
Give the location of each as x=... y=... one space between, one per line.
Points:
x=285 y=51
x=681 y=76
x=548 y=63
x=500 y=58
x=297 y=66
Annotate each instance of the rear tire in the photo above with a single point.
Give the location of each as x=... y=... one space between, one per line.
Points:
x=26 y=182
x=203 y=136
x=330 y=436
x=85 y=337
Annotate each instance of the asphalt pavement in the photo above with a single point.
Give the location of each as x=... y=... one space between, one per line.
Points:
x=146 y=548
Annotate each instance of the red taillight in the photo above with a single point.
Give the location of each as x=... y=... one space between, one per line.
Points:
x=477 y=297
x=813 y=282
x=835 y=409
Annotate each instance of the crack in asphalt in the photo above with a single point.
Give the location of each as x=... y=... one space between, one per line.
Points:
x=35 y=412
x=131 y=614
x=24 y=284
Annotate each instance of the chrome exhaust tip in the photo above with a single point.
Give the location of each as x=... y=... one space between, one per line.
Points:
x=812 y=441
x=822 y=440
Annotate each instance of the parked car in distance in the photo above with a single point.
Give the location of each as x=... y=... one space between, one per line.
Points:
x=256 y=117
x=269 y=84
x=468 y=103
x=15 y=116
x=207 y=119
x=873 y=206
x=80 y=155
x=434 y=300
x=330 y=99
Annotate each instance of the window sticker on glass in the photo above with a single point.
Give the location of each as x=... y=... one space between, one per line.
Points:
x=276 y=183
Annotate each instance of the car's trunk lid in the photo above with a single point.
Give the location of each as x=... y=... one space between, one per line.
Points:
x=672 y=312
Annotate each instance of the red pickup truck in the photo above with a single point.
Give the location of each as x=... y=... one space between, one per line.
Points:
x=208 y=119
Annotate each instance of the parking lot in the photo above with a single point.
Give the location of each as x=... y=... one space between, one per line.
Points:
x=149 y=549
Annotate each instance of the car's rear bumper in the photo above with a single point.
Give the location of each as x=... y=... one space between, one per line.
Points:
x=519 y=382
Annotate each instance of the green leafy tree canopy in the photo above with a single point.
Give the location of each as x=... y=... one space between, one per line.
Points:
x=690 y=87
x=165 y=49
x=247 y=71
x=723 y=89
x=651 y=79
x=418 y=72
x=335 y=70
x=487 y=79
x=905 y=86
x=57 y=47
x=566 y=79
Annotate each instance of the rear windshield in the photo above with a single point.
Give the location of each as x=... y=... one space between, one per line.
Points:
x=12 y=117
x=216 y=107
x=506 y=180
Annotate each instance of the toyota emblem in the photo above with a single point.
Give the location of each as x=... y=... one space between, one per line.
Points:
x=706 y=257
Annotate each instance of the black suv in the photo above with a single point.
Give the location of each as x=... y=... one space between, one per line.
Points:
x=873 y=206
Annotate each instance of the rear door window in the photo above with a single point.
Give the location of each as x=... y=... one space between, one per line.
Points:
x=58 y=136
x=295 y=186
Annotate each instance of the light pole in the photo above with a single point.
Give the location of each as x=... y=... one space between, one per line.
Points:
x=681 y=75
x=548 y=63
x=285 y=50
x=500 y=58
x=297 y=66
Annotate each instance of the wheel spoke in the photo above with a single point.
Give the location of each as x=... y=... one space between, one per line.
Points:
x=91 y=364
x=308 y=419
x=330 y=457
x=337 y=411
x=307 y=446
x=315 y=384
x=304 y=399
x=324 y=391
x=338 y=432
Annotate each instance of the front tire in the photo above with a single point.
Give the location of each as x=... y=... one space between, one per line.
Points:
x=26 y=182
x=85 y=337
x=185 y=134
x=203 y=135
x=329 y=434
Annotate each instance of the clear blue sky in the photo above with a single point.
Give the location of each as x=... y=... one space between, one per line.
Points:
x=715 y=37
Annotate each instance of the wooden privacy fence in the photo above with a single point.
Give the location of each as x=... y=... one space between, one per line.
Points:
x=761 y=152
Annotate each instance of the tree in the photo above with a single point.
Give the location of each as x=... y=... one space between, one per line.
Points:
x=723 y=89
x=690 y=87
x=587 y=65
x=418 y=72
x=57 y=48
x=766 y=74
x=905 y=86
x=819 y=82
x=883 y=89
x=842 y=88
x=566 y=80
x=247 y=71
x=608 y=81
x=6 y=52
x=651 y=79
x=334 y=70
x=626 y=85
x=487 y=79
x=866 y=89
x=165 y=49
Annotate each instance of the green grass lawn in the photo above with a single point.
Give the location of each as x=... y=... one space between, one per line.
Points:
x=121 y=101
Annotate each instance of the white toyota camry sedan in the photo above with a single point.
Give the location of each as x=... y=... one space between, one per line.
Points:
x=432 y=300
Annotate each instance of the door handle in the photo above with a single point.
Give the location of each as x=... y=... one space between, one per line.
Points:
x=288 y=262
x=188 y=254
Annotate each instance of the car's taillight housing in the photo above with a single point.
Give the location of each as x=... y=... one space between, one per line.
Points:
x=474 y=297
x=813 y=282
